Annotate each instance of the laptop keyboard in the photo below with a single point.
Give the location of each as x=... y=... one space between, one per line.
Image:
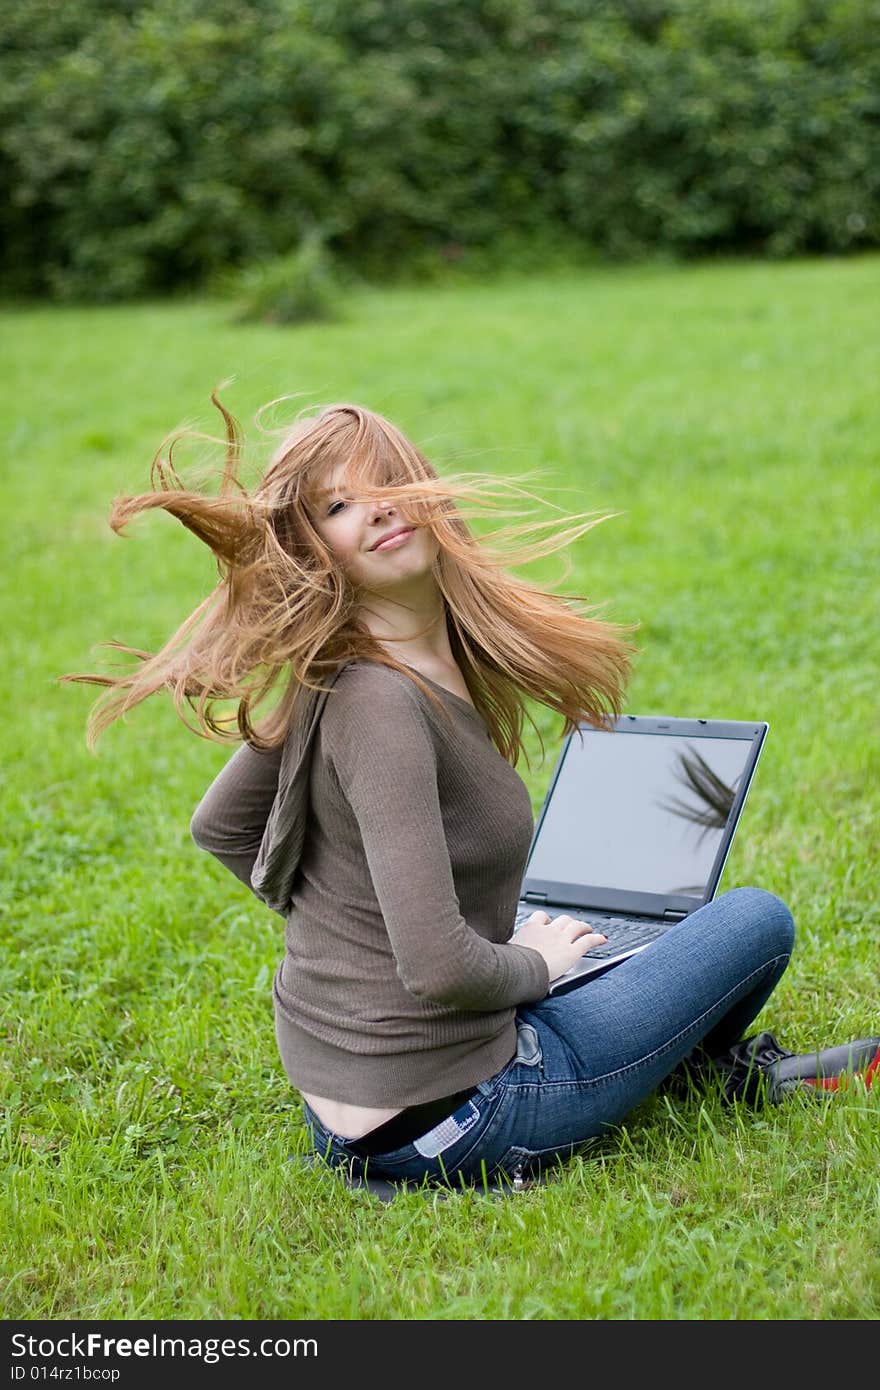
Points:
x=623 y=933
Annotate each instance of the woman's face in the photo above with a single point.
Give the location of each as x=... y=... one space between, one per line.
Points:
x=355 y=532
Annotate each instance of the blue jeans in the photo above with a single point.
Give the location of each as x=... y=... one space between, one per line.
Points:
x=585 y=1059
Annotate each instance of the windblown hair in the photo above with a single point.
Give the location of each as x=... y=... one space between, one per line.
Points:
x=284 y=614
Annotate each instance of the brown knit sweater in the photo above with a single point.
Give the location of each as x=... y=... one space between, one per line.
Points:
x=407 y=841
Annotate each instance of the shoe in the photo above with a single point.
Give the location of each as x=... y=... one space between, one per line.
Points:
x=758 y=1068
x=832 y=1069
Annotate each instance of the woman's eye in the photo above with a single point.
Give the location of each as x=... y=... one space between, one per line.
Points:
x=332 y=509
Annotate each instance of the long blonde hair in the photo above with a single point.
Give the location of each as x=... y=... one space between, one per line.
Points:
x=284 y=615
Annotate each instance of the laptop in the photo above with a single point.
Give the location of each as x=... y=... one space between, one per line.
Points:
x=636 y=827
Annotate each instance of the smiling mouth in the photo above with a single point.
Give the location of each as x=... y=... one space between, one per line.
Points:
x=392 y=541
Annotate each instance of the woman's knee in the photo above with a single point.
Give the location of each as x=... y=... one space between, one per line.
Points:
x=761 y=910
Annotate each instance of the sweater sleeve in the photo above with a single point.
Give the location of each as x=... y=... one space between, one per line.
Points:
x=230 y=819
x=386 y=768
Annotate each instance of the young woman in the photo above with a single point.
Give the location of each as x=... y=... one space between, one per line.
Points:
x=379 y=657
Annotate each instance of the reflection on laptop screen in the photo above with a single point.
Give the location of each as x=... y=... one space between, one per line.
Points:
x=641 y=812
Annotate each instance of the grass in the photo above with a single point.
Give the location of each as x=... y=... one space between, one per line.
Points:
x=729 y=414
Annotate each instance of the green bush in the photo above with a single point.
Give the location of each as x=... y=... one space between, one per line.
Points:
x=147 y=145
x=300 y=287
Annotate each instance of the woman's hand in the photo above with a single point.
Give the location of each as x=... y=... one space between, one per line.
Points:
x=561 y=941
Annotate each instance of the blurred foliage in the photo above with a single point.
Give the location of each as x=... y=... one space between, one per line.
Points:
x=301 y=287
x=145 y=147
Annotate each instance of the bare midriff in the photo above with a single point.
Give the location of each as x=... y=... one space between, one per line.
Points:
x=348 y=1121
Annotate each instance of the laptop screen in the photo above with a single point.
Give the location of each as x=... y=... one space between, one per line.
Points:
x=642 y=812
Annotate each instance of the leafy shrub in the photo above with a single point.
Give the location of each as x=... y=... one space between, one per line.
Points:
x=300 y=287
x=146 y=145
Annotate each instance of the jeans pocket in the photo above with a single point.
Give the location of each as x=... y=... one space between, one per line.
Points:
x=528 y=1046
x=518 y=1161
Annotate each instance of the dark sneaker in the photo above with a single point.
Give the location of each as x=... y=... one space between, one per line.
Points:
x=744 y=1068
x=832 y=1069
x=759 y=1068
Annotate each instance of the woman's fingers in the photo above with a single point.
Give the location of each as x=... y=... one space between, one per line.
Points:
x=560 y=940
x=573 y=928
x=577 y=930
x=590 y=940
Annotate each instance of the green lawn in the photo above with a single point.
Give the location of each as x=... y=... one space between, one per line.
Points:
x=730 y=415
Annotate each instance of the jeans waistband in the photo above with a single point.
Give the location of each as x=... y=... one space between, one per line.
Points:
x=406 y=1126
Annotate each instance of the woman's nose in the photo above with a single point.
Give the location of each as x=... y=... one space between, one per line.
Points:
x=377 y=508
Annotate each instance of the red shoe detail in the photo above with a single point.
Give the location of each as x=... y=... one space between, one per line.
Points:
x=872 y=1068
x=837 y=1083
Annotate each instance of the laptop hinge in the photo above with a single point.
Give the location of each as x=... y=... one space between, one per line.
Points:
x=671 y=915
x=535 y=897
